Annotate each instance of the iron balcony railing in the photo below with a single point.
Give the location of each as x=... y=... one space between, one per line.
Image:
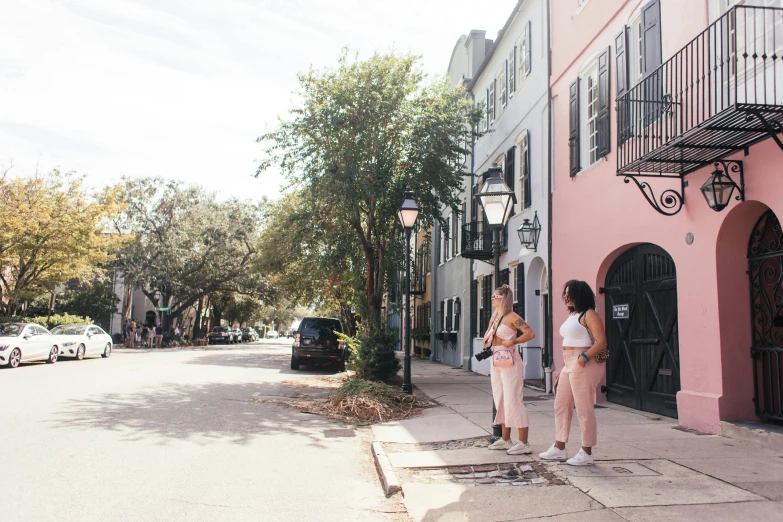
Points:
x=720 y=93
x=477 y=241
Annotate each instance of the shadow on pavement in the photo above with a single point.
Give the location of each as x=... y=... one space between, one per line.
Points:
x=277 y=361
x=202 y=413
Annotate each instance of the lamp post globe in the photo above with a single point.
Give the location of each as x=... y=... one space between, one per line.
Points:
x=717 y=190
x=496 y=198
x=408 y=214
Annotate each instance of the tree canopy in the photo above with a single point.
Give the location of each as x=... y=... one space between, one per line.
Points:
x=357 y=137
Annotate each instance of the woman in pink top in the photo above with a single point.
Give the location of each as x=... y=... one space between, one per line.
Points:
x=508 y=381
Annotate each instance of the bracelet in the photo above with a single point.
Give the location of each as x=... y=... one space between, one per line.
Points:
x=585 y=357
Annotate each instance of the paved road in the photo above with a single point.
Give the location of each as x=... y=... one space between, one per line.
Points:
x=171 y=435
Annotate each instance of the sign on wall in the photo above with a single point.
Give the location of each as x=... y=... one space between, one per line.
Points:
x=620 y=311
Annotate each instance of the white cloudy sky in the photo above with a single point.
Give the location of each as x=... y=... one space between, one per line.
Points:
x=181 y=88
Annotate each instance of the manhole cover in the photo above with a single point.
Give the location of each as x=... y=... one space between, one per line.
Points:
x=334 y=434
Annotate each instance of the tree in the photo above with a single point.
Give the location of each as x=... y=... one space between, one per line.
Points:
x=96 y=299
x=358 y=136
x=187 y=245
x=51 y=231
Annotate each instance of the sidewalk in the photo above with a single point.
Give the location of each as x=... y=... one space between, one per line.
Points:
x=647 y=467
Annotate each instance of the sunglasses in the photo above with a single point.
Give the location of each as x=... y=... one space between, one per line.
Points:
x=495 y=296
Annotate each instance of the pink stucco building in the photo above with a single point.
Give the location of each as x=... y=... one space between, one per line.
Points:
x=651 y=101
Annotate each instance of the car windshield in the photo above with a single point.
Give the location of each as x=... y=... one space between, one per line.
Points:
x=71 y=329
x=219 y=329
x=323 y=328
x=10 y=329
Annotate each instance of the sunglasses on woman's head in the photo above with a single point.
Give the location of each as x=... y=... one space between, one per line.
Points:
x=496 y=296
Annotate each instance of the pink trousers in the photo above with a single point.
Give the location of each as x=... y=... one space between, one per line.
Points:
x=507 y=390
x=576 y=387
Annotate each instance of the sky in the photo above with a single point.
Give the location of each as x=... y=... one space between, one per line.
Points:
x=182 y=88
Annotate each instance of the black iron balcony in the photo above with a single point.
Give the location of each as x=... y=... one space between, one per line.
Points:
x=477 y=241
x=719 y=94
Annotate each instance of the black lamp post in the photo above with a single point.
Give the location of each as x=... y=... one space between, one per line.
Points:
x=529 y=233
x=496 y=200
x=408 y=214
x=719 y=187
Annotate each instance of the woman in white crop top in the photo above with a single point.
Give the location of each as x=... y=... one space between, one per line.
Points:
x=508 y=381
x=583 y=339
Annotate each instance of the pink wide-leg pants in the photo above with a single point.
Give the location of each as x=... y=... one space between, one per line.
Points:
x=576 y=387
x=508 y=388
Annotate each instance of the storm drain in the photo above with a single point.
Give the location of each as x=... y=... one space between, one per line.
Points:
x=507 y=474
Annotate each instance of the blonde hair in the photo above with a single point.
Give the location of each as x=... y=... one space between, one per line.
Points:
x=507 y=301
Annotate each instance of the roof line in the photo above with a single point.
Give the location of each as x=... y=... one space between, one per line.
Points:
x=495 y=45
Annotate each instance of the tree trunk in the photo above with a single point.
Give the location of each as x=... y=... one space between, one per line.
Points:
x=197 y=323
x=127 y=299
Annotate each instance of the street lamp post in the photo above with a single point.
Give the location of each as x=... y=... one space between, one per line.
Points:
x=408 y=214
x=496 y=200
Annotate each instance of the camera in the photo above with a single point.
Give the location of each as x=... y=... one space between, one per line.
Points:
x=484 y=354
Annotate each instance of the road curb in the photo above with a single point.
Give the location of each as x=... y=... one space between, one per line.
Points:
x=389 y=481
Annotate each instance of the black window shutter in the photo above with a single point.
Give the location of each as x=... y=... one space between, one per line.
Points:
x=528 y=201
x=573 y=126
x=510 y=171
x=473 y=308
x=623 y=80
x=504 y=276
x=449 y=315
x=520 y=306
x=651 y=59
x=440 y=317
x=488 y=109
x=464 y=222
x=603 y=120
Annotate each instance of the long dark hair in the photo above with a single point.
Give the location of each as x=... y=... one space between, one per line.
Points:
x=581 y=296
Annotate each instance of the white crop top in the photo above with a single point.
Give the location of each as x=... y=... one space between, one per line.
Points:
x=574 y=334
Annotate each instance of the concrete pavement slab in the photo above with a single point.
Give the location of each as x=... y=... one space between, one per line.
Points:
x=751 y=469
x=447 y=502
x=613 y=469
x=772 y=490
x=595 y=515
x=675 y=485
x=428 y=428
x=644 y=432
x=763 y=510
x=701 y=447
x=457 y=457
x=471 y=408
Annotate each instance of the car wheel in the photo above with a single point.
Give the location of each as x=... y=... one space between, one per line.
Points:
x=294 y=362
x=106 y=351
x=15 y=358
x=53 y=355
x=80 y=352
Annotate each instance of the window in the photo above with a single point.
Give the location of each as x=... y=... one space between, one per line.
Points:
x=513 y=283
x=454 y=235
x=441 y=245
x=512 y=67
x=464 y=216
x=455 y=315
x=491 y=101
x=525 y=56
x=447 y=244
x=591 y=115
x=449 y=315
x=482 y=105
x=524 y=170
x=446 y=318
x=502 y=84
x=480 y=306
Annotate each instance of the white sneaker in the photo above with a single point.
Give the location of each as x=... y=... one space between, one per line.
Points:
x=520 y=448
x=553 y=454
x=500 y=444
x=580 y=459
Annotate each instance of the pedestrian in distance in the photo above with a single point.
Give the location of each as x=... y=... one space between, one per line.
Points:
x=137 y=330
x=507 y=371
x=584 y=352
x=159 y=336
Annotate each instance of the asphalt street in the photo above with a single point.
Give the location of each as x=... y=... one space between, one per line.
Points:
x=173 y=435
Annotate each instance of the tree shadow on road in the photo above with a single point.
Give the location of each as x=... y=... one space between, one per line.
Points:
x=202 y=413
x=270 y=361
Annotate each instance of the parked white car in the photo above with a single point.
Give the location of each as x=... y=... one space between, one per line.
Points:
x=81 y=340
x=271 y=334
x=25 y=342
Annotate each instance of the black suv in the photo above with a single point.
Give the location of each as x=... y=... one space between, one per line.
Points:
x=316 y=342
x=220 y=335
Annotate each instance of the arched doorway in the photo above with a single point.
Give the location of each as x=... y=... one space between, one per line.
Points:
x=765 y=260
x=643 y=370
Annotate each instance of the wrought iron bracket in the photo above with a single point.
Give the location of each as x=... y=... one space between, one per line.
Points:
x=736 y=167
x=669 y=203
x=772 y=128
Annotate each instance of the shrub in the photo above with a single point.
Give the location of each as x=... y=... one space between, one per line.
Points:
x=426 y=352
x=416 y=350
x=117 y=338
x=372 y=353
